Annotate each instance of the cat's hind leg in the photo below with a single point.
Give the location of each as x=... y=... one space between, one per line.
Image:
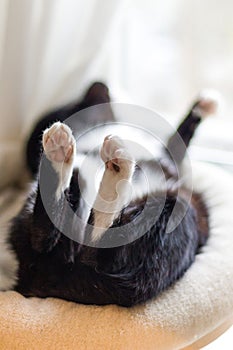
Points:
x=115 y=188
x=205 y=105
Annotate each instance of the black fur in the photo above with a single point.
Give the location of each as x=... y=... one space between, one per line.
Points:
x=50 y=264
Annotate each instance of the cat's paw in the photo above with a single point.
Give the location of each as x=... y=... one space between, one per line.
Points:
x=116 y=156
x=59 y=143
x=207 y=103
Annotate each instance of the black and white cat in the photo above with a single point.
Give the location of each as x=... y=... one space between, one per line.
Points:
x=38 y=259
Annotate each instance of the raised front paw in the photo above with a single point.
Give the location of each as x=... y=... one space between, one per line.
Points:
x=59 y=143
x=116 y=156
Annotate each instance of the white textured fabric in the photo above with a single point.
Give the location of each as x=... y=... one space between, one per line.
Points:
x=197 y=305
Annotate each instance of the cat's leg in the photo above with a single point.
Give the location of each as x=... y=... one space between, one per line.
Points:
x=55 y=177
x=115 y=188
x=205 y=105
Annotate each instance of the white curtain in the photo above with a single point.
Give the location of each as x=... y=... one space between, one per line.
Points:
x=49 y=51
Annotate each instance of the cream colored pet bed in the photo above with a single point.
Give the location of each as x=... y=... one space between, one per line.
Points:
x=187 y=316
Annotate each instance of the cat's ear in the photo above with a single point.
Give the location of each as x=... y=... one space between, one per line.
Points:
x=96 y=94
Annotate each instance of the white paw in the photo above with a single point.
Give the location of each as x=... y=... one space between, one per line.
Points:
x=115 y=155
x=59 y=143
x=207 y=102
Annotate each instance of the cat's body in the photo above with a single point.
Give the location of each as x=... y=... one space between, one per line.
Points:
x=93 y=269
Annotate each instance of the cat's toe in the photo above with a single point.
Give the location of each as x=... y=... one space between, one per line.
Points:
x=116 y=155
x=59 y=143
